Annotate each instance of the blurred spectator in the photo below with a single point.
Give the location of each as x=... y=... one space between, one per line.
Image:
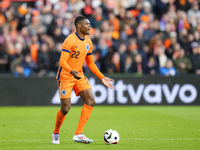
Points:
x=159 y=46
x=4 y=60
x=36 y=27
x=194 y=11
x=162 y=58
x=116 y=61
x=153 y=41
x=16 y=62
x=183 y=22
x=145 y=53
x=44 y=13
x=26 y=36
x=182 y=5
x=34 y=46
x=58 y=36
x=132 y=48
x=145 y=11
x=87 y=10
x=155 y=30
x=19 y=71
x=128 y=66
x=140 y=38
x=55 y=20
x=150 y=32
x=138 y=66
x=184 y=42
x=23 y=17
x=166 y=35
x=195 y=58
x=168 y=69
x=43 y=63
x=196 y=36
x=56 y=56
x=169 y=44
x=198 y=24
x=23 y=67
x=127 y=32
x=160 y=7
x=182 y=64
x=152 y=66
x=114 y=21
x=110 y=66
x=172 y=11
x=102 y=47
x=97 y=18
x=122 y=54
x=67 y=25
x=107 y=63
x=176 y=48
x=28 y=64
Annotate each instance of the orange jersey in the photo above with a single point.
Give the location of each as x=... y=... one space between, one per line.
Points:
x=73 y=55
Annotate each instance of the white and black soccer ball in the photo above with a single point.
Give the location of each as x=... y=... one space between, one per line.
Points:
x=111 y=137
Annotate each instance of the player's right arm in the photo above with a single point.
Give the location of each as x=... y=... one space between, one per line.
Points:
x=65 y=53
x=63 y=60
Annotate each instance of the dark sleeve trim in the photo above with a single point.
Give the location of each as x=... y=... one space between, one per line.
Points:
x=89 y=54
x=66 y=50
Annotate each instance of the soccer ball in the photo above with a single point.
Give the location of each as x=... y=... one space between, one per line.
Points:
x=111 y=137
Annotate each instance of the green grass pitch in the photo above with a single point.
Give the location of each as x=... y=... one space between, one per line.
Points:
x=140 y=128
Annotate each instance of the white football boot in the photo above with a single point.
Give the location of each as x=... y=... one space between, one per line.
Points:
x=81 y=138
x=55 y=139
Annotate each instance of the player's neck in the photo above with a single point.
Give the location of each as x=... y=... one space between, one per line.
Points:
x=80 y=35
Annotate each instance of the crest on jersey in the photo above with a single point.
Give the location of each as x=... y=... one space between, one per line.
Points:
x=87 y=47
x=64 y=92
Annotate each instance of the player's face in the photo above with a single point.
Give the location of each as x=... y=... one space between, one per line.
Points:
x=85 y=27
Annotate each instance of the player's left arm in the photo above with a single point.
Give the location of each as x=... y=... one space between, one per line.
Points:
x=92 y=66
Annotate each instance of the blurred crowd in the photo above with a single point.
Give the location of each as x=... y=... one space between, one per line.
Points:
x=129 y=36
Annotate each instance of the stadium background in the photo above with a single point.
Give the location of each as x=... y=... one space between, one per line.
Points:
x=132 y=40
x=150 y=48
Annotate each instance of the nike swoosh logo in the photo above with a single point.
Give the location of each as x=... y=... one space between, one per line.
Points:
x=76 y=46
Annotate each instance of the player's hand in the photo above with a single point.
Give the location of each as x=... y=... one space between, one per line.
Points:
x=106 y=82
x=75 y=74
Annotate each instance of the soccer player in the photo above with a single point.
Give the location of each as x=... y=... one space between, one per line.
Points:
x=76 y=49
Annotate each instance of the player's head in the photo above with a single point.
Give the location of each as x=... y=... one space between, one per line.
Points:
x=82 y=25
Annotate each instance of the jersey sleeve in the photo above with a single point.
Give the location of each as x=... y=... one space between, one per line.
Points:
x=63 y=61
x=66 y=49
x=92 y=66
x=68 y=44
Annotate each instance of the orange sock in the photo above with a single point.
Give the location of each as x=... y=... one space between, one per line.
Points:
x=85 y=115
x=59 y=120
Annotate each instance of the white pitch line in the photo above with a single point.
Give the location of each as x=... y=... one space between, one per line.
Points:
x=130 y=139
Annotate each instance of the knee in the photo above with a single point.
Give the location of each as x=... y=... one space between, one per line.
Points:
x=91 y=102
x=64 y=110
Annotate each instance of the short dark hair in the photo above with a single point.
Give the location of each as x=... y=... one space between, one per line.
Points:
x=78 y=19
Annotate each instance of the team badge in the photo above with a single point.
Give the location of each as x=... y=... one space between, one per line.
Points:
x=87 y=47
x=64 y=92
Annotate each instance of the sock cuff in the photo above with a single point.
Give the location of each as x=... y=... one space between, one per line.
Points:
x=60 y=113
x=89 y=107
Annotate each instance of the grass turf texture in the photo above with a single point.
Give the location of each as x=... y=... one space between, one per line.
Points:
x=140 y=127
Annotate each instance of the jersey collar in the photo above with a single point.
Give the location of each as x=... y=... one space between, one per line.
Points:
x=79 y=37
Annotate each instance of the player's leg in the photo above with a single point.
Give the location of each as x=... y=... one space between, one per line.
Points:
x=88 y=97
x=84 y=90
x=61 y=114
x=65 y=98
